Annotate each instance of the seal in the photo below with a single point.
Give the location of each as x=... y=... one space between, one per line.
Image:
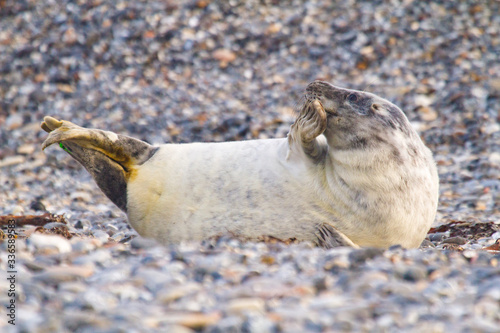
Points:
x=352 y=172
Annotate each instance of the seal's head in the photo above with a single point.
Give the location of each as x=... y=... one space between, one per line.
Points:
x=357 y=119
x=380 y=168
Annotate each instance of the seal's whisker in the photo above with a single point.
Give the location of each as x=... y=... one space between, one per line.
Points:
x=370 y=84
x=300 y=103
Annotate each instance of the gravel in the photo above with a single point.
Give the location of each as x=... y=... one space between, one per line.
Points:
x=168 y=71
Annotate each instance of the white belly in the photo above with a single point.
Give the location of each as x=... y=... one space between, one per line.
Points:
x=250 y=188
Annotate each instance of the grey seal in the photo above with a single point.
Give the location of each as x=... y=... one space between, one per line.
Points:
x=352 y=172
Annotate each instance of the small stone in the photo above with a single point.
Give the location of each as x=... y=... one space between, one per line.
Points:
x=257 y=323
x=362 y=255
x=455 y=240
x=56 y=275
x=320 y=284
x=29 y=320
x=491 y=128
x=224 y=56
x=73 y=287
x=469 y=254
x=273 y=28
x=84 y=245
x=427 y=244
x=241 y=306
x=415 y=273
x=38 y=205
x=17 y=210
x=101 y=235
x=83 y=224
x=81 y=196
x=42 y=242
x=70 y=36
x=336 y=263
x=190 y=319
x=99 y=256
x=396 y=247
x=494 y=158
x=119 y=236
x=143 y=243
x=423 y=100
x=177 y=329
x=268 y=260
x=14 y=121
x=35 y=266
x=66 y=88
x=228 y=324
x=12 y=160
x=26 y=149
x=427 y=113
x=76 y=320
x=170 y=294
x=437 y=236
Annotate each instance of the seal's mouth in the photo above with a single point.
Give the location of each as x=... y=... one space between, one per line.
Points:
x=327 y=110
x=331 y=111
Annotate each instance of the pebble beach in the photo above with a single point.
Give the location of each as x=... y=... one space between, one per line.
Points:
x=204 y=71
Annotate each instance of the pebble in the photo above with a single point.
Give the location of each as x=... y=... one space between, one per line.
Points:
x=143 y=243
x=361 y=255
x=14 y=121
x=455 y=240
x=56 y=275
x=222 y=71
x=43 y=243
x=241 y=306
x=438 y=236
x=26 y=149
x=12 y=160
x=101 y=235
x=415 y=274
x=191 y=320
x=99 y=256
x=84 y=245
x=173 y=293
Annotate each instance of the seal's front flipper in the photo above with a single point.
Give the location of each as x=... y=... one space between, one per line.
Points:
x=310 y=124
x=329 y=237
x=110 y=158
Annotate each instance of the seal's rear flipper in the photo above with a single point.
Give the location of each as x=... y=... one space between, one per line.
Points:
x=329 y=237
x=310 y=124
x=110 y=158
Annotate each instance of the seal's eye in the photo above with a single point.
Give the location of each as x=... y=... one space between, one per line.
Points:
x=352 y=98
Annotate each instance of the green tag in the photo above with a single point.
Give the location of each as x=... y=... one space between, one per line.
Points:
x=64 y=148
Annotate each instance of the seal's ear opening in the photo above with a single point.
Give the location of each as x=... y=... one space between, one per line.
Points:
x=376 y=107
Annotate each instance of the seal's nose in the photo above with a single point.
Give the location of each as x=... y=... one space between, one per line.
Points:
x=315 y=90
